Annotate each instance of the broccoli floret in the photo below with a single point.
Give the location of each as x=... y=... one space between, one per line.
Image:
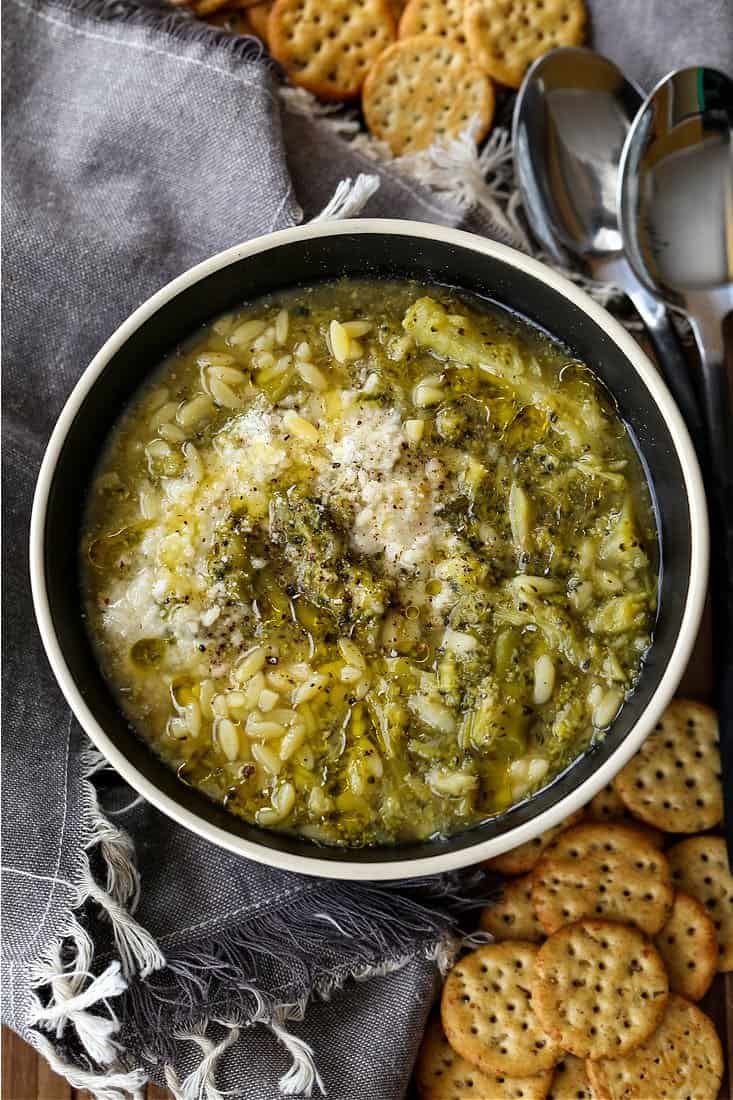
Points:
x=315 y=548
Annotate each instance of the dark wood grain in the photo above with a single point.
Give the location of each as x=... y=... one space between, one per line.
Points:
x=27 y=1076
x=155 y=1092
x=20 y=1069
x=49 y=1085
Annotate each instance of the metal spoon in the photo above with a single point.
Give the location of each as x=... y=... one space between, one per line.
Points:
x=571 y=118
x=676 y=214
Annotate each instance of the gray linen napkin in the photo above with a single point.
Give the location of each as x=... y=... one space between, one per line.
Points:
x=135 y=145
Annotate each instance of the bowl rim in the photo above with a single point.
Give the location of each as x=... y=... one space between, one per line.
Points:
x=470 y=854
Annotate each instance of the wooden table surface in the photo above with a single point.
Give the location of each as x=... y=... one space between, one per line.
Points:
x=26 y=1076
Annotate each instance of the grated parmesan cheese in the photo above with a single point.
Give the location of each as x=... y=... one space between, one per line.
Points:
x=384 y=487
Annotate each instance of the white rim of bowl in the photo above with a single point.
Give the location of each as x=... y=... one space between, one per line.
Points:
x=469 y=854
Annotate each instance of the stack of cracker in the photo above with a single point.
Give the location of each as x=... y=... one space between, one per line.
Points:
x=604 y=939
x=424 y=69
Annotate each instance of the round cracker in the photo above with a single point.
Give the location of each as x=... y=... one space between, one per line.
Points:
x=328 y=48
x=443 y=17
x=599 y=988
x=425 y=88
x=570 y=1081
x=522 y=859
x=441 y=1074
x=673 y=782
x=608 y=806
x=688 y=945
x=699 y=866
x=512 y=916
x=488 y=1014
x=684 y=1057
x=609 y=871
x=506 y=36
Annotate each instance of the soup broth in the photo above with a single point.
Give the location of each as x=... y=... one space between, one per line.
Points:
x=370 y=561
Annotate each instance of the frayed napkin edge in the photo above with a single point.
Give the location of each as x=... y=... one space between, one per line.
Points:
x=83 y=1001
x=176 y=24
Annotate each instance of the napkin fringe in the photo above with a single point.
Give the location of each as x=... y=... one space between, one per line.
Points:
x=86 y=1007
x=70 y=999
x=396 y=920
x=117 y=1085
x=200 y=1085
x=232 y=969
x=118 y=898
x=457 y=170
x=233 y=966
x=302 y=1076
x=179 y=25
x=349 y=199
x=451 y=167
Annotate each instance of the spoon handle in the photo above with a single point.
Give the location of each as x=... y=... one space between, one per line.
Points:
x=663 y=335
x=672 y=361
x=716 y=389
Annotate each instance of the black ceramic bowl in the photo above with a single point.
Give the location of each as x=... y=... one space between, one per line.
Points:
x=388 y=249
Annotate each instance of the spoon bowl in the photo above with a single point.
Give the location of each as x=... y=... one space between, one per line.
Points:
x=572 y=116
x=676 y=198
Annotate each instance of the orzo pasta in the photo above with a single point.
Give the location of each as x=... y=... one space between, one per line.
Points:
x=370 y=561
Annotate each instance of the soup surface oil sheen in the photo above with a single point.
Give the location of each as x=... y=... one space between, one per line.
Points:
x=370 y=561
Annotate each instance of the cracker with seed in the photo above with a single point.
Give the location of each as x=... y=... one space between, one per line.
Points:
x=520 y=860
x=688 y=945
x=684 y=1057
x=608 y=805
x=673 y=782
x=599 y=988
x=512 y=916
x=328 y=48
x=425 y=88
x=441 y=1074
x=488 y=1014
x=443 y=17
x=609 y=871
x=700 y=867
x=570 y=1081
x=506 y=36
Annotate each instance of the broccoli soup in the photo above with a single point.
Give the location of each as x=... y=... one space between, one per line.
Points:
x=370 y=561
